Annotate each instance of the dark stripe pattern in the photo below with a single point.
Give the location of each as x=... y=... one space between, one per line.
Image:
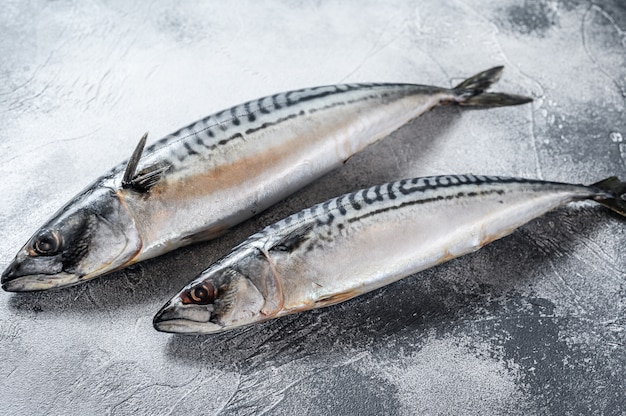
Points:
x=368 y=202
x=225 y=126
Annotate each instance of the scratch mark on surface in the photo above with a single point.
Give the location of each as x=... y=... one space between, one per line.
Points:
x=575 y=295
x=583 y=25
x=396 y=157
x=19 y=86
x=137 y=325
x=263 y=342
x=610 y=19
x=32 y=77
x=138 y=389
x=118 y=404
x=98 y=304
x=187 y=393
x=9 y=331
x=12 y=371
x=494 y=35
x=231 y=397
x=520 y=318
x=281 y=393
x=98 y=89
x=375 y=49
x=80 y=293
x=152 y=71
x=533 y=144
x=607 y=262
x=29 y=152
x=20 y=102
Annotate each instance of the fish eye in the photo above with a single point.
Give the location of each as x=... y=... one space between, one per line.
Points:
x=47 y=243
x=201 y=294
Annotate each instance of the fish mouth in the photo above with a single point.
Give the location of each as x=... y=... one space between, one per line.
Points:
x=184 y=326
x=17 y=278
x=36 y=282
x=174 y=319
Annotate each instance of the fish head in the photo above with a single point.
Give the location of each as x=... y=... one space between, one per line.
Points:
x=91 y=235
x=224 y=296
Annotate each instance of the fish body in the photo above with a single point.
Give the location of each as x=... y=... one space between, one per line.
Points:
x=195 y=184
x=364 y=240
x=226 y=168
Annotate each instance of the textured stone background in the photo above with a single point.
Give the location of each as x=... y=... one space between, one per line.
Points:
x=533 y=324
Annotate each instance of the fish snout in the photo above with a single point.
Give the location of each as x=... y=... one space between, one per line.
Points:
x=25 y=274
x=10 y=275
x=177 y=318
x=166 y=313
x=17 y=273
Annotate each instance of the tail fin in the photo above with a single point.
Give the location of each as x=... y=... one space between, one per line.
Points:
x=470 y=93
x=614 y=197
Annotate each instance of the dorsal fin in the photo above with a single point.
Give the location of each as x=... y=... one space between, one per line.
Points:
x=148 y=177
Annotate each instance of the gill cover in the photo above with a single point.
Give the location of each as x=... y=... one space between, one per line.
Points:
x=238 y=290
x=92 y=235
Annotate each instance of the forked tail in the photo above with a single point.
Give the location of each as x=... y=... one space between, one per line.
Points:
x=471 y=92
x=613 y=196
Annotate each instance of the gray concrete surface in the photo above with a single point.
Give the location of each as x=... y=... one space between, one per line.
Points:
x=533 y=324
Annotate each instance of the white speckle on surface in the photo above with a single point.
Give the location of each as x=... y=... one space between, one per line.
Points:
x=616 y=137
x=447 y=375
x=533 y=323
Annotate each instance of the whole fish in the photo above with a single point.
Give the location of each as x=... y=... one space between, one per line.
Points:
x=200 y=181
x=361 y=241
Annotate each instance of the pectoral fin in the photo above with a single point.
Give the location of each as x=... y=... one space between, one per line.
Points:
x=291 y=241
